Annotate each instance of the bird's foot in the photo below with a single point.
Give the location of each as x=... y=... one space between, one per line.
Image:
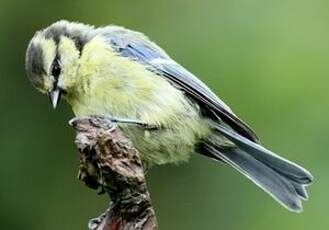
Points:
x=95 y=222
x=112 y=120
x=133 y=122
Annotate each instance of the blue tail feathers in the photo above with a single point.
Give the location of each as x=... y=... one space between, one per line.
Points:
x=283 y=180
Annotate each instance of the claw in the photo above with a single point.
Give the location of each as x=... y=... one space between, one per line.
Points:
x=102 y=191
x=73 y=122
x=95 y=222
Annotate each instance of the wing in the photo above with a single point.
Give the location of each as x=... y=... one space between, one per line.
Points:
x=136 y=46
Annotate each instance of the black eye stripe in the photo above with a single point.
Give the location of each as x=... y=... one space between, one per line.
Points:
x=56 y=68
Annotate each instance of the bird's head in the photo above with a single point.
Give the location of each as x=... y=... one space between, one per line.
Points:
x=52 y=58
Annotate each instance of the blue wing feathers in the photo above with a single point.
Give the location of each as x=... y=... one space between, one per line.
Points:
x=136 y=46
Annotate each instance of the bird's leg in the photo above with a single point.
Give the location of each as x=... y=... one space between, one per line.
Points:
x=133 y=122
x=115 y=120
x=95 y=222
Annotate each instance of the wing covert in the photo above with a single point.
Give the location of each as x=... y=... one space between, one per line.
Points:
x=138 y=47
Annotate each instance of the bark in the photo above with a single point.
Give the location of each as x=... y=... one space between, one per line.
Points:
x=109 y=162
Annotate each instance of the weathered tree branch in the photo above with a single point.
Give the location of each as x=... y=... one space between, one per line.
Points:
x=109 y=161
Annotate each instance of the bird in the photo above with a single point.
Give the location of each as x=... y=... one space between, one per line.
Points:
x=166 y=111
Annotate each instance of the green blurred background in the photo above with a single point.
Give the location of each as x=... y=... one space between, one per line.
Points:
x=267 y=59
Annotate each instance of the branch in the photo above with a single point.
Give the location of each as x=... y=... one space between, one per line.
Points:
x=109 y=161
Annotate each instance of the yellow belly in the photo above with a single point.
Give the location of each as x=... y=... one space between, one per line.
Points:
x=116 y=86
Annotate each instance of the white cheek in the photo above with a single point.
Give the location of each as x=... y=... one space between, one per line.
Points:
x=49 y=52
x=69 y=62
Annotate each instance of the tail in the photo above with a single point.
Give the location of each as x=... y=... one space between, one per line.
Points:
x=282 y=179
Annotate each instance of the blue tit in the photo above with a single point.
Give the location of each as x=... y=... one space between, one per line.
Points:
x=120 y=73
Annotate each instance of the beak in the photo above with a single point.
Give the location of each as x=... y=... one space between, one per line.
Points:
x=55 y=96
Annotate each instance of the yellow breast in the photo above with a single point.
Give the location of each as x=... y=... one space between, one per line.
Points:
x=112 y=84
x=117 y=86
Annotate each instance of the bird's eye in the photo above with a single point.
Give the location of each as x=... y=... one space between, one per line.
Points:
x=56 y=69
